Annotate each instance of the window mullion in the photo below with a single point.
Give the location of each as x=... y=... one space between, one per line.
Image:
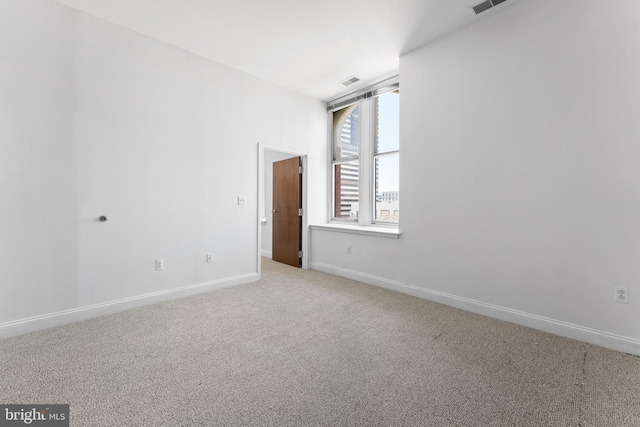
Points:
x=366 y=168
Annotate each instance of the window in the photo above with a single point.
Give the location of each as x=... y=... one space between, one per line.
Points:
x=346 y=164
x=366 y=156
x=386 y=157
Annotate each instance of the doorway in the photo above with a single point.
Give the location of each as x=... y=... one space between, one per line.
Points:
x=267 y=155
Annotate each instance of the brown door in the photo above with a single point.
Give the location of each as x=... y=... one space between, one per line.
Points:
x=287 y=202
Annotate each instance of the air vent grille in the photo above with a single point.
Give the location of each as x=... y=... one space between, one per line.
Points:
x=350 y=81
x=488 y=4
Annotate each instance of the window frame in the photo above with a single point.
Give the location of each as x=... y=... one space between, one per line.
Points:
x=366 y=156
x=343 y=159
x=380 y=154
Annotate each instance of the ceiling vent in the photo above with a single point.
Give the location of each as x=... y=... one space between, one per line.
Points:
x=351 y=80
x=488 y=4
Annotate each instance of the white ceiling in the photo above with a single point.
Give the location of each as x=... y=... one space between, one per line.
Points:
x=308 y=46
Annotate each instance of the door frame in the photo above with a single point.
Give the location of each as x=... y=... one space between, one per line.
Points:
x=262 y=148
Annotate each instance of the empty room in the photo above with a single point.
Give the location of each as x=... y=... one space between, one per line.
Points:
x=200 y=218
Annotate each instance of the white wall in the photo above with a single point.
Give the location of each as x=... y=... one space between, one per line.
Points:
x=270 y=157
x=519 y=172
x=99 y=120
x=38 y=165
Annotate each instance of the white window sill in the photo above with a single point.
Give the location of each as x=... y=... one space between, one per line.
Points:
x=387 y=232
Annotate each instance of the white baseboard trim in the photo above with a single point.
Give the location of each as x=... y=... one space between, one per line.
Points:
x=556 y=327
x=36 y=323
x=265 y=253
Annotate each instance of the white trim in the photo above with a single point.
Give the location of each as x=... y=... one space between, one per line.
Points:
x=553 y=326
x=266 y=253
x=35 y=323
x=388 y=232
x=329 y=168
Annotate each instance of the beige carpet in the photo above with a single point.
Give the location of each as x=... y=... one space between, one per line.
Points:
x=303 y=348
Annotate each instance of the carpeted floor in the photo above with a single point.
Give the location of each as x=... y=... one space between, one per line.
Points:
x=303 y=348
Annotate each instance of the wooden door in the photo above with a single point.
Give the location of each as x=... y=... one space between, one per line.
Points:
x=286 y=213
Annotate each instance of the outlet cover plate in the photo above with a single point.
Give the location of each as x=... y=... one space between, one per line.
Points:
x=621 y=294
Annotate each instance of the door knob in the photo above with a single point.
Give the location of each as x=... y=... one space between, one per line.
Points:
x=274 y=211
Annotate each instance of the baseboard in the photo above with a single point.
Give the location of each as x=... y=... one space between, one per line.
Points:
x=266 y=253
x=556 y=327
x=23 y=326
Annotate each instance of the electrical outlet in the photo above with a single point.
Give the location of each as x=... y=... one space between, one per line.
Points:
x=622 y=294
x=349 y=250
x=159 y=264
x=242 y=200
x=209 y=258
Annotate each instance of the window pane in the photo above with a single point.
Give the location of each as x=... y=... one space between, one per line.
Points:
x=346 y=189
x=387 y=109
x=345 y=126
x=387 y=205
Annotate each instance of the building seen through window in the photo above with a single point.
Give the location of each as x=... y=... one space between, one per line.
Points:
x=347 y=171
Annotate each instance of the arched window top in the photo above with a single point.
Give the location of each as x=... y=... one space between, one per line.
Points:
x=346 y=124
